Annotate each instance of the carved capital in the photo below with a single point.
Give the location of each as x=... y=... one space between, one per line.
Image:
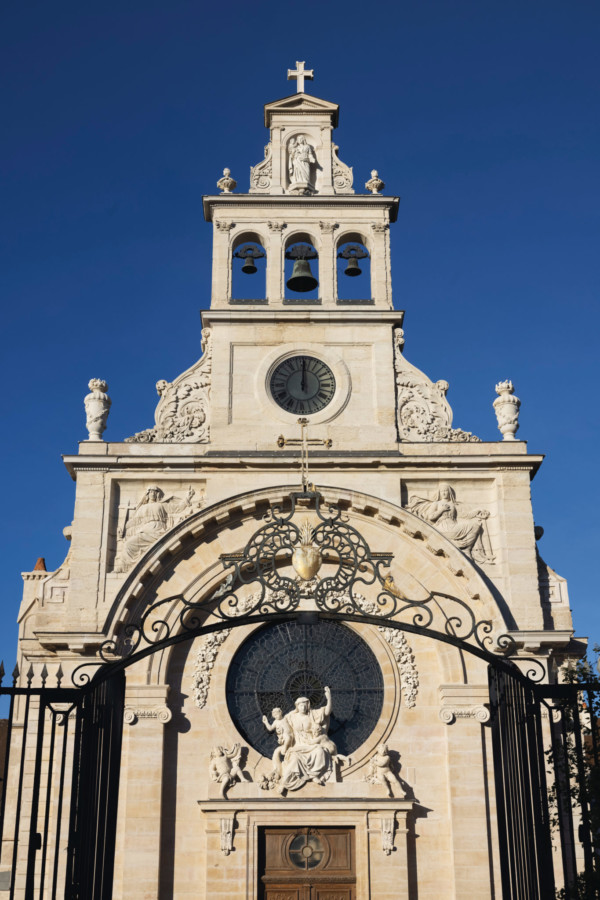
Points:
x=328 y=227
x=133 y=713
x=224 y=226
x=276 y=226
x=379 y=227
x=449 y=715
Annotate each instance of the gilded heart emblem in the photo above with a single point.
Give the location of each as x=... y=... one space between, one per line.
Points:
x=306 y=559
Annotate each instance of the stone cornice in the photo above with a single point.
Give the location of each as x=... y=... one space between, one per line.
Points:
x=198 y=459
x=318 y=202
x=323 y=316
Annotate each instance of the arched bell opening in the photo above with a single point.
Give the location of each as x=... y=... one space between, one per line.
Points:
x=248 y=268
x=353 y=269
x=301 y=269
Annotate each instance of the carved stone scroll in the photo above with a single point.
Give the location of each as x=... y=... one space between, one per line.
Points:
x=262 y=173
x=183 y=412
x=422 y=411
x=343 y=177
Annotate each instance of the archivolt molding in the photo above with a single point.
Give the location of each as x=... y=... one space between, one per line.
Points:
x=226 y=527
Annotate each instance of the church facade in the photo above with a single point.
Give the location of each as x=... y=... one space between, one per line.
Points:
x=302 y=489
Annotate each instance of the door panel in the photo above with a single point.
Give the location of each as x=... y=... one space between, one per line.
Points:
x=307 y=864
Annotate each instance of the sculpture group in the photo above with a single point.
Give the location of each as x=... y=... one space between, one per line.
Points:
x=304 y=750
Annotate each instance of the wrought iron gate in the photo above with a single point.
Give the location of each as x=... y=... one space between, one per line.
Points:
x=546 y=741
x=60 y=788
x=58 y=811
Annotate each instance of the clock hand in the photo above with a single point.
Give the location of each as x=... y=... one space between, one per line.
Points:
x=303 y=382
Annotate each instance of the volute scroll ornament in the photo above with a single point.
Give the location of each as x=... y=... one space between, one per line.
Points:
x=183 y=412
x=261 y=174
x=342 y=174
x=422 y=411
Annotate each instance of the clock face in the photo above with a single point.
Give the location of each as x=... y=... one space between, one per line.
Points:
x=302 y=384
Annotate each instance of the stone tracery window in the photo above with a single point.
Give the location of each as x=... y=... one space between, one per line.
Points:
x=279 y=663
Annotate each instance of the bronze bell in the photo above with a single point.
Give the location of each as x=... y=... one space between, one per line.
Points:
x=352 y=268
x=249 y=268
x=302 y=278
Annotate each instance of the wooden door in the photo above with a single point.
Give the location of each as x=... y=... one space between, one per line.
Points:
x=307 y=864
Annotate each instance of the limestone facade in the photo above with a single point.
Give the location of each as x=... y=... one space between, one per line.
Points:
x=155 y=512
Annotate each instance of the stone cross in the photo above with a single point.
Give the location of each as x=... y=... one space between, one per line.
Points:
x=300 y=73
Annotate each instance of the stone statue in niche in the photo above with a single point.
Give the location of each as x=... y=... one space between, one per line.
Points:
x=380 y=771
x=145 y=523
x=225 y=767
x=301 y=159
x=310 y=755
x=466 y=528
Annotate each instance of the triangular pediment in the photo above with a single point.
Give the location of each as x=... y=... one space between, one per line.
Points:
x=302 y=103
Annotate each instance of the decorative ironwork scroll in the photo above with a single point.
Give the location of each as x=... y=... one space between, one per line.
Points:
x=282 y=562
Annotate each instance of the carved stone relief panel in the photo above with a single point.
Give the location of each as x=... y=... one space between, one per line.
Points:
x=463 y=523
x=144 y=516
x=183 y=411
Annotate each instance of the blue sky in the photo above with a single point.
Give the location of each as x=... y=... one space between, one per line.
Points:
x=118 y=116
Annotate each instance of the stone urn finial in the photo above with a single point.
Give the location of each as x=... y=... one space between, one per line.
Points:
x=506 y=406
x=226 y=184
x=374 y=184
x=97 y=405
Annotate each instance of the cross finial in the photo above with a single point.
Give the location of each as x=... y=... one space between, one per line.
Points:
x=300 y=73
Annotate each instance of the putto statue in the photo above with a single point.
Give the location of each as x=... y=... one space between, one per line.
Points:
x=144 y=524
x=305 y=752
x=380 y=771
x=467 y=529
x=225 y=767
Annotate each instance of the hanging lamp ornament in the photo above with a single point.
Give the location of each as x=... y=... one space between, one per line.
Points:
x=353 y=252
x=226 y=184
x=374 y=184
x=249 y=252
x=302 y=279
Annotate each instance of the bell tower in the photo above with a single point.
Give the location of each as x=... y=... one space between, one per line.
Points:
x=304 y=348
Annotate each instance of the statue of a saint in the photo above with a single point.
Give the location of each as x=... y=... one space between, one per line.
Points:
x=153 y=515
x=301 y=157
x=310 y=755
x=467 y=529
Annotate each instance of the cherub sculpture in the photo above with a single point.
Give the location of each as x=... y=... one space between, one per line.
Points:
x=380 y=771
x=225 y=767
x=285 y=736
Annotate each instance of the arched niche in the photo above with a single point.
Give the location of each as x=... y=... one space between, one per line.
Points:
x=293 y=244
x=357 y=288
x=244 y=286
